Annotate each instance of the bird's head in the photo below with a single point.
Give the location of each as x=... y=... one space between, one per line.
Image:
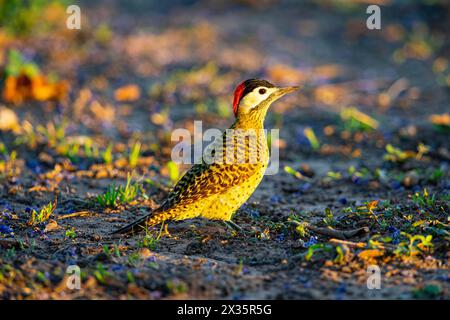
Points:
x=254 y=97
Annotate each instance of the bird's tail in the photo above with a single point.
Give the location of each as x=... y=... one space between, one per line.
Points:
x=141 y=224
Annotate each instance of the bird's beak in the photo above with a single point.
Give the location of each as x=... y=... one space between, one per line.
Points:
x=282 y=91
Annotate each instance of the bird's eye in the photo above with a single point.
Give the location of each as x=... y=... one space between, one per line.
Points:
x=262 y=91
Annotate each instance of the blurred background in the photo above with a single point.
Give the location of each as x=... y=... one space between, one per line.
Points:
x=181 y=60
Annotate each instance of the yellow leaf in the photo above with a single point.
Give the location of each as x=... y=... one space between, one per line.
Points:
x=440 y=119
x=129 y=92
x=8 y=119
x=372 y=205
x=370 y=254
x=51 y=225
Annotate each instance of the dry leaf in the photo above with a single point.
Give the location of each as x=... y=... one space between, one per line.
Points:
x=8 y=120
x=440 y=119
x=51 y=225
x=22 y=88
x=370 y=254
x=129 y=92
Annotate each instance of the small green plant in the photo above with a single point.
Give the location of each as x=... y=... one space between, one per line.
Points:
x=133 y=259
x=424 y=199
x=360 y=173
x=130 y=277
x=109 y=198
x=340 y=255
x=3 y=149
x=301 y=226
x=42 y=215
x=394 y=154
x=368 y=208
x=302 y=230
x=41 y=277
x=149 y=241
x=9 y=159
x=106 y=250
x=117 y=251
x=377 y=240
x=177 y=286
x=355 y=120
x=334 y=175
x=313 y=249
x=17 y=65
x=101 y=273
x=70 y=233
x=311 y=136
x=240 y=267
x=70 y=151
x=348 y=210
x=129 y=192
x=90 y=149
x=436 y=175
x=415 y=245
x=329 y=218
x=28 y=137
x=54 y=133
x=10 y=253
x=107 y=154
x=115 y=196
x=134 y=154
x=295 y=173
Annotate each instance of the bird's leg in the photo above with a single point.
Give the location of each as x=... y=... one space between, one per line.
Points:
x=230 y=224
x=234 y=225
x=164 y=231
x=223 y=223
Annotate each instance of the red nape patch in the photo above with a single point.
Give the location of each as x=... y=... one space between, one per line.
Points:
x=237 y=96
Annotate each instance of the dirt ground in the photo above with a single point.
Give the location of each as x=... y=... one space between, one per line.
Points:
x=378 y=171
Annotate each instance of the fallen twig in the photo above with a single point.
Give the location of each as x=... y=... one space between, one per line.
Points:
x=339 y=234
x=360 y=245
x=75 y=214
x=350 y=244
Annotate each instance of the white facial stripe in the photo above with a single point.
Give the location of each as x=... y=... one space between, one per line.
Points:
x=254 y=98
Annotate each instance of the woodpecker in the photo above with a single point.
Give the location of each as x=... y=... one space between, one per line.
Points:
x=217 y=189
